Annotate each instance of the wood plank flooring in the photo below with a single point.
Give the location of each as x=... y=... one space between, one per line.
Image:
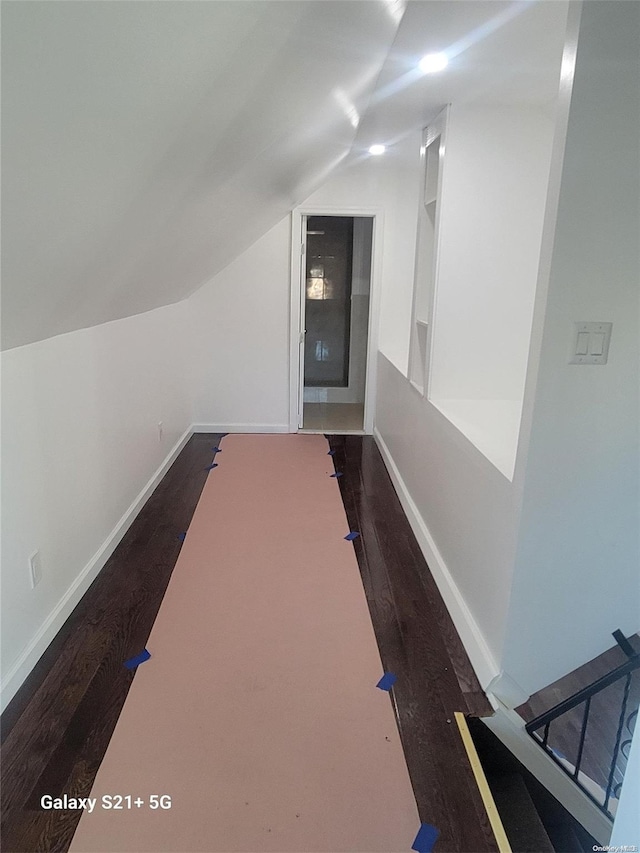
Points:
x=57 y=729
x=417 y=642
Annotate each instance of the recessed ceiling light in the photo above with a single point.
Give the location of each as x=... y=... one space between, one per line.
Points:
x=377 y=149
x=433 y=62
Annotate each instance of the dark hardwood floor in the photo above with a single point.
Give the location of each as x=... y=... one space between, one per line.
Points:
x=418 y=643
x=58 y=727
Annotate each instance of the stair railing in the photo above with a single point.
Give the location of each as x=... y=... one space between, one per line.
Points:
x=543 y=721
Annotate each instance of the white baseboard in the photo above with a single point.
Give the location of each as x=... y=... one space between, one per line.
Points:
x=472 y=638
x=470 y=634
x=61 y=612
x=250 y=428
x=509 y=728
x=507 y=690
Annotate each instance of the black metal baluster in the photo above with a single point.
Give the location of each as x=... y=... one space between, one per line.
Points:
x=539 y=728
x=614 y=759
x=583 y=732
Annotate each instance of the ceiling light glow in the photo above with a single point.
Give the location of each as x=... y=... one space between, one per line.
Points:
x=433 y=62
x=377 y=149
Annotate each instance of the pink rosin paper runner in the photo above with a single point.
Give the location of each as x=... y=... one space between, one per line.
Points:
x=258 y=712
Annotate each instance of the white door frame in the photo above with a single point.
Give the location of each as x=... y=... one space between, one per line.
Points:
x=296 y=343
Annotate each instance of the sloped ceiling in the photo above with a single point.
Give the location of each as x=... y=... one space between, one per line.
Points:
x=145 y=144
x=500 y=54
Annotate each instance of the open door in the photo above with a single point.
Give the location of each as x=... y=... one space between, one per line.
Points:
x=335 y=273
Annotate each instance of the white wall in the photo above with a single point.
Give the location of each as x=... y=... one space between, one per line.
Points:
x=577 y=570
x=493 y=194
x=466 y=506
x=239 y=322
x=80 y=417
x=492 y=208
x=389 y=183
x=545 y=591
x=238 y=328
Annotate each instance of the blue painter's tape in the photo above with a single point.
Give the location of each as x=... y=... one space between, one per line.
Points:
x=387 y=681
x=132 y=663
x=337 y=474
x=425 y=839
x=331 y=453
x=209 y=467
x=351 y=536
x=182 y=536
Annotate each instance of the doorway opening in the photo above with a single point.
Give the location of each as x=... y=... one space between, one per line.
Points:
x=334 y=308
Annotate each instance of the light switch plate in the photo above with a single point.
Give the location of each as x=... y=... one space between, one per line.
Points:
x=590 y=343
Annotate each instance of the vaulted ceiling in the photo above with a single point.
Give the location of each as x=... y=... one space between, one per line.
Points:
x=146 y=144
x=500 y=54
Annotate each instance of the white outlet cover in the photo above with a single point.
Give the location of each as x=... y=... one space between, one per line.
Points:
x=35 y=569
x=590 y=343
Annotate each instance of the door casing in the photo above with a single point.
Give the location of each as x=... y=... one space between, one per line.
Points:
x=296 y=340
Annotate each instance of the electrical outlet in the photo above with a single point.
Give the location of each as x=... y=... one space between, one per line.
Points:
x=35 y=569
x=160 y=430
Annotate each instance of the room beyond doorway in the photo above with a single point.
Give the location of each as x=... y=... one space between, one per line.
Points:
x=335 y=282
x=333 y=417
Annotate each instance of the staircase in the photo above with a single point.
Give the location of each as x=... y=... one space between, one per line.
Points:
x=534 y=821
x=588 y=734
x=555 y=765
